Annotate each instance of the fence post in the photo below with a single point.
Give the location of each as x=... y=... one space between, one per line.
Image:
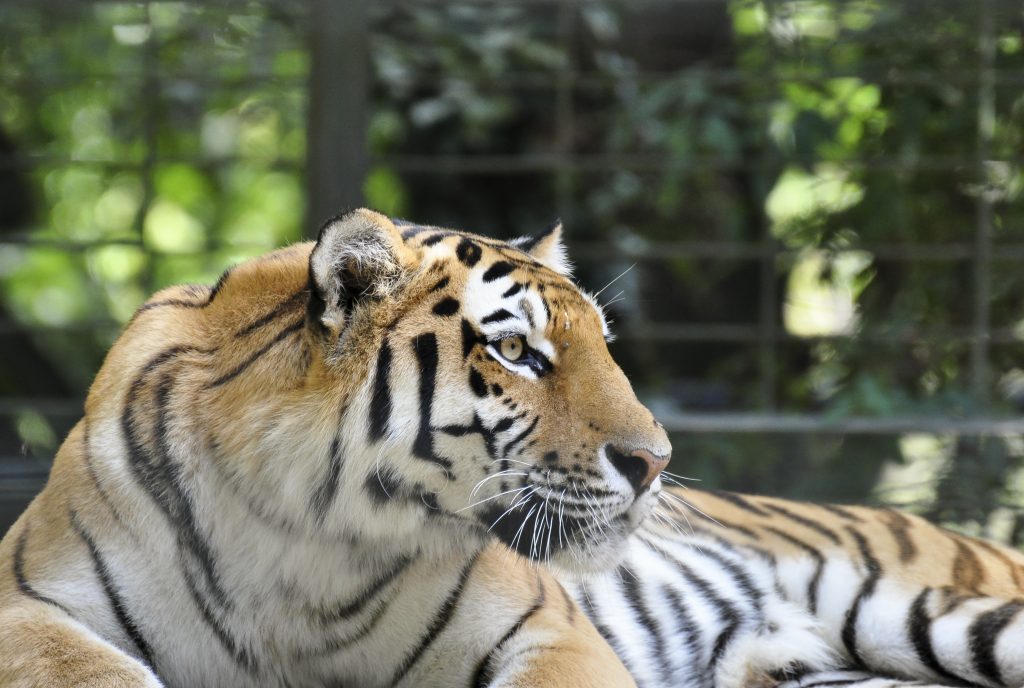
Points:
x=336 y=155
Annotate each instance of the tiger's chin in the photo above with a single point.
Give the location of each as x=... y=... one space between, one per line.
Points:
x=574 y=545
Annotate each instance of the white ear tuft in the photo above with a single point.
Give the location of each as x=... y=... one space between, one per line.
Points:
x=547 y=248
x=357 y=255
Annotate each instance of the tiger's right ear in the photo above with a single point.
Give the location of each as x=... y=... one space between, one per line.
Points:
x=358 y=256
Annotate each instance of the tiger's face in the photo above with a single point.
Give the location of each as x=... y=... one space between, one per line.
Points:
x=491 y=398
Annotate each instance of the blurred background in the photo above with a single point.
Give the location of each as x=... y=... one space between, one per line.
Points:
x=812 y=210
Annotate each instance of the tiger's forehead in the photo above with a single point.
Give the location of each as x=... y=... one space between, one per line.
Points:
x=500 y=271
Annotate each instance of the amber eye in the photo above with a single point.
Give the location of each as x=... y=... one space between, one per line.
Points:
x=512 y=348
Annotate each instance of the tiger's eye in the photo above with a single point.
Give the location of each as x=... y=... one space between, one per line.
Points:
x=512 y=348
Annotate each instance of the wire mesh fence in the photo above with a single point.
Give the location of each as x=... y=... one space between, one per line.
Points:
x=811 y=208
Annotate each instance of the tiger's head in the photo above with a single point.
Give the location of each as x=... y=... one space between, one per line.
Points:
x=487 y=394
x=392 y=387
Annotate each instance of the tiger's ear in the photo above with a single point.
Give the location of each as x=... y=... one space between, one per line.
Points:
x=358 y=256
x=547 y=248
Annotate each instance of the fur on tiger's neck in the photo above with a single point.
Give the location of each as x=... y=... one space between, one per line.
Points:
x=362 y=390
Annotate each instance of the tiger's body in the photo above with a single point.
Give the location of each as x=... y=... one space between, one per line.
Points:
x=342 y=464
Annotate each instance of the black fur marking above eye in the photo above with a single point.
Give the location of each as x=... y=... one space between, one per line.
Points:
x=499 y=315
x=468 y=252
x=476 y=383
x=498 y=270
x=470 y=338
x=513 y=290
x=447 y=306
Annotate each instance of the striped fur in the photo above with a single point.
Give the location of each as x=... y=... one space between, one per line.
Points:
x=808 y=595
x=403 y=456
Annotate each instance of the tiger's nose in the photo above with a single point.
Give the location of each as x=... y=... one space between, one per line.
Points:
x=639 y=466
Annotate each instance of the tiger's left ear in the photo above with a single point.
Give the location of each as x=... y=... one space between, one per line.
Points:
x=547 y=248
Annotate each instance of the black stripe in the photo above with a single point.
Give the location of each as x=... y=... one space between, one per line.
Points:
x=521 y=436
x=660 y=650
x=476 y=382
x=899 y=526
x=513 y=290
x=435 y=239
x=446 y=307
x=1014 y=569
x=380 y=402
x=819 y=566
x=153 y=467
x=155 y=470
x=242 y=656
x=727 y=613
x=425 y=348
x=181 y=303
x=738 y=501
x=984 y=636
x=498 y=270
x=327 y=490
x=570 y=604
x=117 y=604
x=470 y=338
x=94 y=476
x=867 y=589
x=227 y=377
x=283 y=308
x=441 y=619
x=484 y=673
x=177 y=501
x=690 y=631
x=441 y=284
x=842 y=512
x=919 y=626
x=591 y=612
x=804 y=521
x=742 y=579
x=497 y=316
x=967 y=570
x=22 y=581
x=347 y=610
x=468 y=252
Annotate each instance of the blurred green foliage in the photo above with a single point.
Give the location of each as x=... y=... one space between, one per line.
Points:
x=165 y=141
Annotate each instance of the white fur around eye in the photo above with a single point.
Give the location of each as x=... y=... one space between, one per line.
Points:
x=512 y=348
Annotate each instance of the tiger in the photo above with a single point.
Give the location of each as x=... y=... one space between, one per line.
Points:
x=402 y=455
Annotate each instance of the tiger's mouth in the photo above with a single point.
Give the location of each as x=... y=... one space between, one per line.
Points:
x=553 y=516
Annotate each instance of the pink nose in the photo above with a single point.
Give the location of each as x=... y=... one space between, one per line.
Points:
x=640 y=466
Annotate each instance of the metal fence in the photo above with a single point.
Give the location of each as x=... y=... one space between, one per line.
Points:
x=319 y=73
